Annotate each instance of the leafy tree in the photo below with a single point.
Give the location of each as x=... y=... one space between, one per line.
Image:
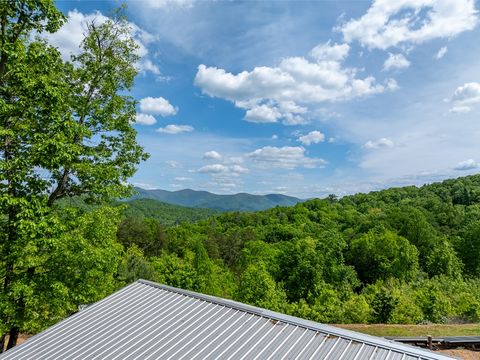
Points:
x=175 y=271
x=383 y=305
x=65 y=130
x=469 y=248
x=356 y=310
x=435 y=304
x=257 y=287
x=134 y=266
x=380 y=254
x=301 y=269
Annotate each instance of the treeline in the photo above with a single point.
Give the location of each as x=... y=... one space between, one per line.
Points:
x=135 y=210
x=402 y=255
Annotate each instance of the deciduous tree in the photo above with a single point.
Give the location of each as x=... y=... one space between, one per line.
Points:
x=65 y=130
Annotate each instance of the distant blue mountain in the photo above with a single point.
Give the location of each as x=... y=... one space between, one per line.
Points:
x=205 y=199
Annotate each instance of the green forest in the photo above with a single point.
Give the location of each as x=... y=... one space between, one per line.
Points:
x=68 y=150
x=403 y=255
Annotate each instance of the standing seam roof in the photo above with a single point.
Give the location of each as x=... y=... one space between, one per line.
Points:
x=146 y=320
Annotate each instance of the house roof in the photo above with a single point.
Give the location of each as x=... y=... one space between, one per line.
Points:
x=146 y=320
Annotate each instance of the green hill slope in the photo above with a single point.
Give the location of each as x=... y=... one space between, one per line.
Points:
x=166 y=214
x=205 y=199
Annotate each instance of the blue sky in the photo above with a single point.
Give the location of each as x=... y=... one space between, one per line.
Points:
x=305 y=98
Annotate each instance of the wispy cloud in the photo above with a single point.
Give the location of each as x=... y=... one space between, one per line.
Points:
x=174 y=129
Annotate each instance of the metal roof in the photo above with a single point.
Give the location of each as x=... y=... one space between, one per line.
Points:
x=146 y=320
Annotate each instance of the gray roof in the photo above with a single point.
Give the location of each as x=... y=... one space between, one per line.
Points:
x=146 y=320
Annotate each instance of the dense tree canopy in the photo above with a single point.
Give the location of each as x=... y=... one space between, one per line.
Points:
x=403 y=255
x=65 y=130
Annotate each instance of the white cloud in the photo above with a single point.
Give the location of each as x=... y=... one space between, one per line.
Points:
x=390 y=23
x=460 y=109
x=233 y=170
x=441 y=53
x=145 y=119
x=236 y=160
x=175 y=129
x=145 y=186
x=274 y=137
x=330 y=52
x=469 y=164
x=287 y=157
x=465 y=97
x=313 y=137
x=380 y=143
x=167 y=4
x=239 y=169
x=173 y=164
x=146 y=65
x=157 y=106
x=69 y=37
x=182 y=178
x=395 y=61
x=212 y=155
x=262 y=114
x=284 y=92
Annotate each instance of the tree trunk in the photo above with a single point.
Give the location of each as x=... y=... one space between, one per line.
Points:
x=13 y=337
x=2 y=343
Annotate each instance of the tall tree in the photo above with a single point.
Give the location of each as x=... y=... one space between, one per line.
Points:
x=65 y=130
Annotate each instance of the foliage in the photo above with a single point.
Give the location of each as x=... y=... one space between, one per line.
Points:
x=167 y=214
x=65 y=130
x=403 y=255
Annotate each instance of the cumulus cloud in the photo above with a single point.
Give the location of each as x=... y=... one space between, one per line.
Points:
x=313 y=137
x=335 y=52
x=69 y=37
x=378 y=144
x=287 y=157
x=212 y=155
x=284 y=92
x=175 y=129
x=144 y=119
x=390 y=23
x=233 y=170
x=465 y=97
x=396 y=61
x=441 y=53
x=469 y=164
x=263 y=114
x=157 y=106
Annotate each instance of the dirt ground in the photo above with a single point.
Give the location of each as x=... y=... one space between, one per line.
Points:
x=462 y=354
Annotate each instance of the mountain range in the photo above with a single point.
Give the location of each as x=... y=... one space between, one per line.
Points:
x=205 y=199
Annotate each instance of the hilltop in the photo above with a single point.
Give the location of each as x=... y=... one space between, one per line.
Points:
x=205 y=199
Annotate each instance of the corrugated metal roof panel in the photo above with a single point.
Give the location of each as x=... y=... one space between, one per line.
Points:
x=150 y=321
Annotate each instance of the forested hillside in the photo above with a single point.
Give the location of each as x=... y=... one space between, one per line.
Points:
x=402 y=255
x=205 y=199
x=157 y=211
